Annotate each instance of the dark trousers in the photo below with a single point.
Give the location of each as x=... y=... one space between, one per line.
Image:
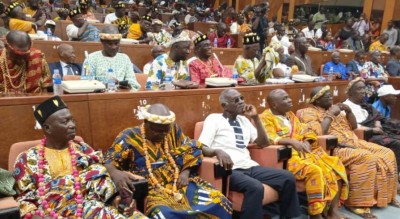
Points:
x=249 y=181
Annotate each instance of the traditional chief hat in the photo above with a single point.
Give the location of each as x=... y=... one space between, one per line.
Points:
x=11 y=7
x=319 y=94
x=122 y=25
x=353 y=82
x=154 y=118
x=83 y=3
x=183 y=37
x=200 y=38
x=119 y=5
x=176 y=24
x=74 y=12
x=157 y=21
x=47 y=108
x=251 y=38
x=146 y=18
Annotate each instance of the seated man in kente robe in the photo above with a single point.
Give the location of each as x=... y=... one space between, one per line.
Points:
x=63 y=178
x=159 y=151
x=18 y=19
x=372 y=168
x=325 y=176
x=80 y=29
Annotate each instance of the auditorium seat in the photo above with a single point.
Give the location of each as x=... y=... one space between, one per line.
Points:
x=277 y=158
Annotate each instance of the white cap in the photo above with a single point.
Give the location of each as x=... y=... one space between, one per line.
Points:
x=51 y=22
x=386 y=90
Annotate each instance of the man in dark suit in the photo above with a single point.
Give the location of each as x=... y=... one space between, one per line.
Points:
x=393 y=65
x=357 y=64
x=66 y=65
x=354 y=42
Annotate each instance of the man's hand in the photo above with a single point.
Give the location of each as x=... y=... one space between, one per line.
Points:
x=249 y=110
x=301 y=147
x=123 y=179
x=377 y=130
x=183 y=179
x=344 y=107
x=224 y=159
x=334 y=110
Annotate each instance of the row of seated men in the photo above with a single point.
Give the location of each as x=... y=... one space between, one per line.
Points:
x=61 y=177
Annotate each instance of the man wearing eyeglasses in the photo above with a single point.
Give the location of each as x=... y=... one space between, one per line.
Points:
x=22 y=68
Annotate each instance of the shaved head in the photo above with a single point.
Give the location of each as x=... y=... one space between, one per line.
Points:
x=274 y=95
x=18 y=39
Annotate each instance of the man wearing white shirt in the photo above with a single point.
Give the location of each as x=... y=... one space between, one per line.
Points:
x=66 y=65
x=226 y=136
x=281 y=38
x=361 y=25
x=310 y=32
x=119 y=12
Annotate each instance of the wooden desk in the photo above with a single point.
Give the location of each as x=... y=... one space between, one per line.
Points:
x=139 y=54
x=100 y=117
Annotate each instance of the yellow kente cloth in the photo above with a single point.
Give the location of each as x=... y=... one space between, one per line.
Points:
x=29 y=11
x=319 y=170
x=59 y=162
x=134 y=32
x=372 y=168
x=377 y=45
x=26 y=26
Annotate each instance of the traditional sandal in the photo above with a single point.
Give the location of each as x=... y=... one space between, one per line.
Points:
x=362 y=212
x=395 y=203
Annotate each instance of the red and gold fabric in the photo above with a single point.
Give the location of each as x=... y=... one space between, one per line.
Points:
x=31 y=77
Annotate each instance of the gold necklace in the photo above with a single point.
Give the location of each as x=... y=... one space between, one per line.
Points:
x=153 y=180
x=7 y=75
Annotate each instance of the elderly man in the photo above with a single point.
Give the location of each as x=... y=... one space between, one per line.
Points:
x=174 y=63
x=300 y=58
x=247 y=65
x=324 y=175
x=380 y=43
x=63 y=178
x=139 y=31
x=372 y=167
x=205 y=64
x=66 y=65
x=81 y=30
x=355 y=66
x=109 y=58
x=119 y=13
x=339 y=70
x=159 y=35
x=223 y=39
x=375 y=75
x=353 y=42
x=159 y=151
x=386 y=131
x=18 y=19
x=226 y=135
x=393 y=65
x=387 y=98
x=23 y=69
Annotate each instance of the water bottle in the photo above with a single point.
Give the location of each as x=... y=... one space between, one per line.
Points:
x=235 y=74
x=215 y=42
x=228 y=44
x=111 y=81
x=148 y=85
x=168 y=80
x=49 y=34
x=57 y=86
x=330 y=74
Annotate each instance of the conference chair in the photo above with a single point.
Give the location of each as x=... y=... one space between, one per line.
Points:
x=275 y=156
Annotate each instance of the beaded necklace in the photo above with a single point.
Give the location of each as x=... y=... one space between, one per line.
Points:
x=209 y=64
x=41 y=186
x=153 y=180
